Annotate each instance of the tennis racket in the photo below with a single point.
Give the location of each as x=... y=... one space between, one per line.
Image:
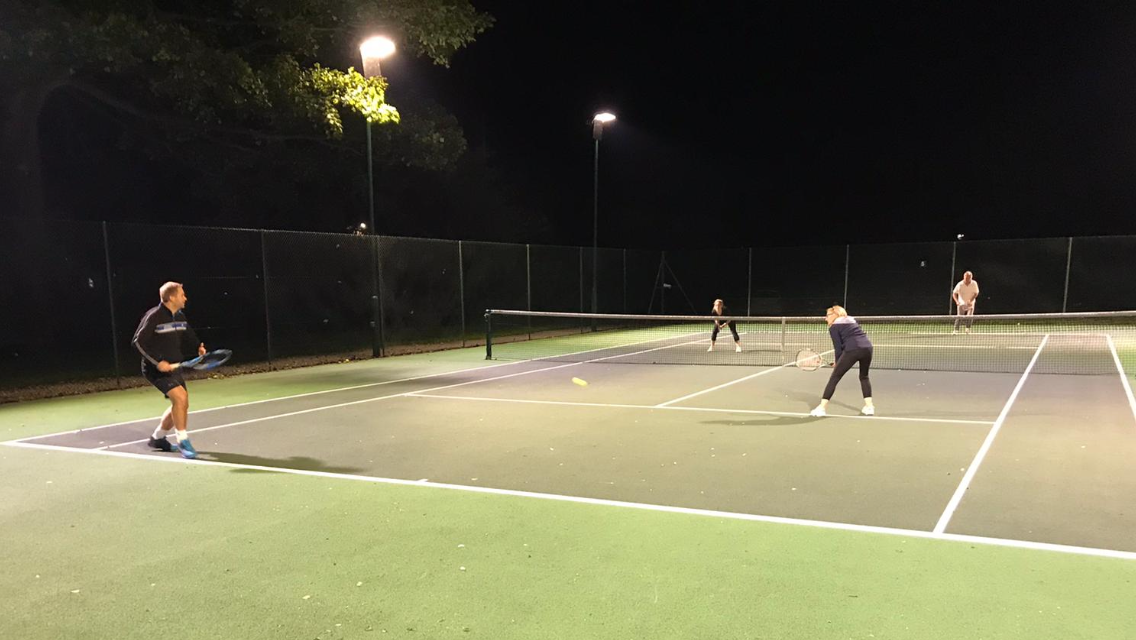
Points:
x=809 y=360
x=207 y=362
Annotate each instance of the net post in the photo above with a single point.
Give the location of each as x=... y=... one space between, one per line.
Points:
x=784 y=328
x=1068 y=266
x=488 y=335
x=110 y=299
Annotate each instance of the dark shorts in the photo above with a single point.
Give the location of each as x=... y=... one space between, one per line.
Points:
x=165 y=382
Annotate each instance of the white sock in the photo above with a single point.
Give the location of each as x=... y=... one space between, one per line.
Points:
x=160 y=433
x=182 y=436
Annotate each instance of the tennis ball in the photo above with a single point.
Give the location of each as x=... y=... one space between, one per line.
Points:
x=582 y=383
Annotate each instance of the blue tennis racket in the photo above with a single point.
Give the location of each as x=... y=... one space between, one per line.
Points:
x=207 y=362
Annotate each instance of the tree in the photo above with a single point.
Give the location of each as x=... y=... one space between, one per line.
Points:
x=238 y=74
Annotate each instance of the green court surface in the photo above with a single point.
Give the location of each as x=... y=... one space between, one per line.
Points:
x=444 y=496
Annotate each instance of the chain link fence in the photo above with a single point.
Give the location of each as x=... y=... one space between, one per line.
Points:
x=72 y=293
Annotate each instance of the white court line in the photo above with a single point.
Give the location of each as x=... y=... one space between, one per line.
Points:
x=776 y=346
x=973 y=469
x=417 y=394
x=820 y=524
x=1123 y=376
x=663 y=405
x=932 y=347
x=1027 y=334
x=395 y=395
x=316 y=393
x=291 y=397
x=733 y=382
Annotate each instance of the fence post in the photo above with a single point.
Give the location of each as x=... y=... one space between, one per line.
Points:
x=583 y=327
x=847 y=259
x=625 y=280
x=461 y=288
x=528 y=285
x=378 y=346
x=1068 y=266
x=951 y=284
x=110 y=296
x=264 y=280
x=749 y=284
x=581 y=279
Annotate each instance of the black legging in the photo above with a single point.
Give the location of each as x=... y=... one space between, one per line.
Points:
x=847 y=359
x=733 y=330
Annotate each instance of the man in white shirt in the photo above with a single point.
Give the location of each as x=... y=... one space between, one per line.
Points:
x=965 y=294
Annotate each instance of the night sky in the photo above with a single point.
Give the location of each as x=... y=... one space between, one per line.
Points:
x=749 y=123
x=783 y=123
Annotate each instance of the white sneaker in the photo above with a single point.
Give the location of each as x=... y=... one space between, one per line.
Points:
x=968 y=330
x=819 y=412
x=868 y=411
x=710 y=349
x=955 y=332
x=738 y=349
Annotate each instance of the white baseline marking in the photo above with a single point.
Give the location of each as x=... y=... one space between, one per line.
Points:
x=1123 y=376
x=419 y=394
x=978 y=458
x=821 y=524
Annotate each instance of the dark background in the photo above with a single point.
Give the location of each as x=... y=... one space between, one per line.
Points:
x=740 y=124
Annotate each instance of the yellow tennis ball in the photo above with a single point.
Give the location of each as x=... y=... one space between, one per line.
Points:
x=582 y=383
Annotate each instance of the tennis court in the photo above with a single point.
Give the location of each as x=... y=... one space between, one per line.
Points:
x=1008 y=455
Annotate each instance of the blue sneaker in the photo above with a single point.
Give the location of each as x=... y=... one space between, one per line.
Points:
x=187 y=450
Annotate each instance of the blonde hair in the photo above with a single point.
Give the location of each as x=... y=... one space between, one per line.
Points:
x=717 y=301
x=837 y=311
x=168 y=290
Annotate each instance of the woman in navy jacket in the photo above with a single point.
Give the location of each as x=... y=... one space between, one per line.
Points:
x=850 y=345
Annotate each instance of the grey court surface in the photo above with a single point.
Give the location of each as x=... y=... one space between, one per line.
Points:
x=1054 y=459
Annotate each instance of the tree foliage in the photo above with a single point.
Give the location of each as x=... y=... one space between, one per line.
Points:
x=249 y=61
x=199 y=79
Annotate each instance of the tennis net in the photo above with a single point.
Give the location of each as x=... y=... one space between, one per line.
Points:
x=1072 y=343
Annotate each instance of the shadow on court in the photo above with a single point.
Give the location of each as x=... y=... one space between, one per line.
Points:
x=767 y=421
x=302 y=463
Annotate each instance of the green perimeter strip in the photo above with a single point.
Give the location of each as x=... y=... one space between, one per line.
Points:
x=41 y=417
x=101 y=547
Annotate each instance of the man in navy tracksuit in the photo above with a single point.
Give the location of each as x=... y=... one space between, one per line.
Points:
x=850 y=345
x=163 y=338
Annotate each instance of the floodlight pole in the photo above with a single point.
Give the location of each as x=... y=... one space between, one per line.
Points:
x=597 y=133
x=371 y=179
x=372 y=51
